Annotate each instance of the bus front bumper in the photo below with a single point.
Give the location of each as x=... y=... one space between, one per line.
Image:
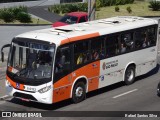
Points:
x=37 y=96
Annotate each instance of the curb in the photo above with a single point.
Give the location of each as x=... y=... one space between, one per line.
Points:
x=24 y=24
x=4 y=97
x=150 y=16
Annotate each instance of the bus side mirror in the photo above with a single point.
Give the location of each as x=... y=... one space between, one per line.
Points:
x=2 y=56
x=2 y=53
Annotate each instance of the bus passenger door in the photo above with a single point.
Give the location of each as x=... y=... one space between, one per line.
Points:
x=62 y=74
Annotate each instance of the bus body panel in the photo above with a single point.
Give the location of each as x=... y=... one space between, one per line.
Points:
x=113 y=69
x=80 y=37
x=23 y=91
x=63 y=87
x=105 y=72
x=91 y=71
x=97 y=73
x=145 y=60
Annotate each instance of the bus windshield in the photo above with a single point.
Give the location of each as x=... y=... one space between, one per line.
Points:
x=31 y=60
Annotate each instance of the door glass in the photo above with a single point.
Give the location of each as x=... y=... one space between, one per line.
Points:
x=62 y=63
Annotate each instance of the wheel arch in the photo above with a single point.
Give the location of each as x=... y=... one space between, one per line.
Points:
x=78 y=79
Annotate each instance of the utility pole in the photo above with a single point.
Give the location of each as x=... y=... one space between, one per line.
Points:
x=91 y=9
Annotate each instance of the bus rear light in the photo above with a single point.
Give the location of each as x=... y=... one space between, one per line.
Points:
x=45 y=89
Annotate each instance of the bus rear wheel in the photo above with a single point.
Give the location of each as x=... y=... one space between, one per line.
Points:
x=79 y=92
x=129 y=75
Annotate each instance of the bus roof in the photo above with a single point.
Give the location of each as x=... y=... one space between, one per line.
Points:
x=75 y=32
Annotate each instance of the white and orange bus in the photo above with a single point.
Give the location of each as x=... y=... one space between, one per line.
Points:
x=55 y=64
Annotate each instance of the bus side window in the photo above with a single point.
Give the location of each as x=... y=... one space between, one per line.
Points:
x=112 y=45
x=127 y=43
x=81 y=53
x=141 y=39
x=138 y=40
x=152 y=36
x=97 y=49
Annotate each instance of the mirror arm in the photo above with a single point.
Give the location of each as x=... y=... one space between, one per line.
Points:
x=2 y=53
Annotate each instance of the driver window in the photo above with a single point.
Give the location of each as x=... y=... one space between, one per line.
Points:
x=62 y=62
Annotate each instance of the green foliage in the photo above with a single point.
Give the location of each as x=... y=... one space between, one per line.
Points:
x=117 y=9
x=129 y=9
x=13 y=13
x=154 y=5
x=104 y=3
x=0 y=14
x=55 y=9
x=83 y=7
x=72 y=7
x=66 y=8
x=7 y=16
x=24 y=17
x=17 y=10
x=98 y=5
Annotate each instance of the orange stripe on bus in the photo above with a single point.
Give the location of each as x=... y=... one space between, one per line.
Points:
x=14 y=84
x=77 y=38
x=91 y=71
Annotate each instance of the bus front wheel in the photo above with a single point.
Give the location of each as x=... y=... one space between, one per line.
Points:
x=79 y=92
x=129 y=75
x=158 y=90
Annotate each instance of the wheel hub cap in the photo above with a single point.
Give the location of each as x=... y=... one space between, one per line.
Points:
x=79 y=91
x=130 y=75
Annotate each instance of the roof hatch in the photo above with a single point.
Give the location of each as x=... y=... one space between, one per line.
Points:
x=108 y=21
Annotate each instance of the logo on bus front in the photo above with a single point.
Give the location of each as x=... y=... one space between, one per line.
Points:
x=17 y=85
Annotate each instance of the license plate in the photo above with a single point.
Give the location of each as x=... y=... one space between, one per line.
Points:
x=23 y=99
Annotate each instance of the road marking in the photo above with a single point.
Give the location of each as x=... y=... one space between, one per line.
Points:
x=125 y=93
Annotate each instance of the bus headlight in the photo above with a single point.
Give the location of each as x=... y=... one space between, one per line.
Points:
x=45 y=89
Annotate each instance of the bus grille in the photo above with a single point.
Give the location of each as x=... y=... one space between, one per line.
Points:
x=25 y=96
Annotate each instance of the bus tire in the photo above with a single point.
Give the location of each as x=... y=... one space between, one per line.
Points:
x=158 y=90
x=129 y=75
x=79 y=92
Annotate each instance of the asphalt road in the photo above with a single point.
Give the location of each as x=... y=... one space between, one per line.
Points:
x=140 y=96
